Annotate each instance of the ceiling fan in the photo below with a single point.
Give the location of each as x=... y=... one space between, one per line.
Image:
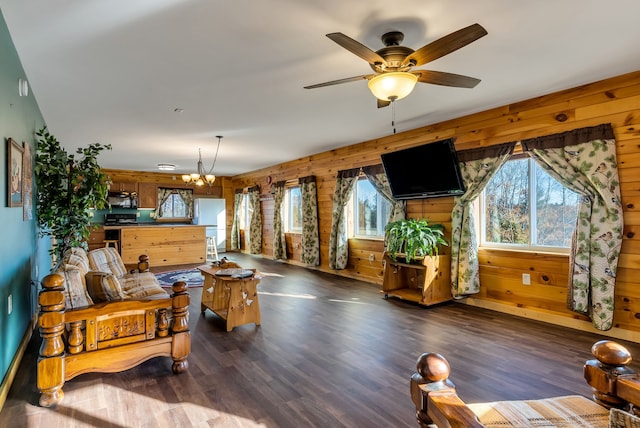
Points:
x=394 y=76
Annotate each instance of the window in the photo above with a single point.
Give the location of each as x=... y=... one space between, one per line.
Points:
x=174 y=206
x=524 y=207
x=293 y=210
x=370 y=210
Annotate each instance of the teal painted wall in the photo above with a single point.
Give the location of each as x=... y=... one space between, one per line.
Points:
x=23 y=257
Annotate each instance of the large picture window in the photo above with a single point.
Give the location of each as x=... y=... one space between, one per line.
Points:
x=524 y=207
x=370 y=210
x=293 y=210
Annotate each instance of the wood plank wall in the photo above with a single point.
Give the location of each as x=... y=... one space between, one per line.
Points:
x=615 y=101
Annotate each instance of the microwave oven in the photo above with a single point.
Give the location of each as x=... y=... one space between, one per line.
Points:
x=123 y=200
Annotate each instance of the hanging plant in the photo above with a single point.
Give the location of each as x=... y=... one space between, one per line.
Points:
x=413 y=238
x=68 y=187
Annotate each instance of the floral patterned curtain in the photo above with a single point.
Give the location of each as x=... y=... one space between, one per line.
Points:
x=235 y=226
x=187 y=197
x=255 y=222
x=477 y=167
x=585 y=161
x=378 y=179
x=163 y=194
x=338 y=242
x=310 y=236
x=279 y=243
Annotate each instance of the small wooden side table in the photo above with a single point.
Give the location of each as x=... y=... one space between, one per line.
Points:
x=235 y=300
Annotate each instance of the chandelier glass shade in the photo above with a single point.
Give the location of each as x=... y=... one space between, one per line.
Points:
x=392 y=86
x=203 y=176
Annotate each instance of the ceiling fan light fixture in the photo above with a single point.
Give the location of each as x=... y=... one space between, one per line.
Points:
x=392 y=86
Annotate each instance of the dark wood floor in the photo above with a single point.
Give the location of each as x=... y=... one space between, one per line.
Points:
x=331 y=352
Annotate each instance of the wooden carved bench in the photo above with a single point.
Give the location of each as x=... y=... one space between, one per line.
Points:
x=616 y=393
x=107 y=337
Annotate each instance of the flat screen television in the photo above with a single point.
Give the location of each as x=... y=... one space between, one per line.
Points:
x=426 y=171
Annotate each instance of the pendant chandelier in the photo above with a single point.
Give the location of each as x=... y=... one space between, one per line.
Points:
x=202 y=177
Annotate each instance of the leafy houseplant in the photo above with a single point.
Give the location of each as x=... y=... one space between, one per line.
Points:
x=413 y=238
x=67 y=189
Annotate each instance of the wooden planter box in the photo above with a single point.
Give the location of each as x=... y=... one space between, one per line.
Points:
x=425 y=280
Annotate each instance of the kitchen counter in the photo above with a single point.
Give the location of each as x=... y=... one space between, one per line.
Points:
x=154 y=225
x=165 y=244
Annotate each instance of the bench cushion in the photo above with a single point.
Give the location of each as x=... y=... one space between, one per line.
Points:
x=566 y=411
x=104 y=287
x=75 y=290
x=621 y=419
x=107 y=260
x=140 y=285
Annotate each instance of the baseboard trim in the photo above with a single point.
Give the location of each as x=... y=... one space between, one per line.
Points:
x=5 y=386
x=615 y=333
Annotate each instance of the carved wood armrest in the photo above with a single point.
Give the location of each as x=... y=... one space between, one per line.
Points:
x=447 y=410
x=614 y=384
x=435 y=397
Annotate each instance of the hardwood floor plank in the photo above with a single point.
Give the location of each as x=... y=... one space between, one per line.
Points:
x=330 y=352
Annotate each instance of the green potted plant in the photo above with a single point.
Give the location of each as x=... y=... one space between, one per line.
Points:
x=413 y=238
x=68 y=187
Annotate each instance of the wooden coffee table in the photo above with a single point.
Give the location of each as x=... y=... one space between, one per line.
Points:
x=235 y=300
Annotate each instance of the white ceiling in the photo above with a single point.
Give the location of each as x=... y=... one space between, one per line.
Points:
x=114 y=71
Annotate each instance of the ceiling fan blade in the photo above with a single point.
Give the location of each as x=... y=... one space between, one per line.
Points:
x=382 y=103
x=339 y=81
x=445 y=79
x=446 y=45
x=357 y=48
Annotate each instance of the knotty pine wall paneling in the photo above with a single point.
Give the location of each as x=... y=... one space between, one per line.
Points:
x=615 y=101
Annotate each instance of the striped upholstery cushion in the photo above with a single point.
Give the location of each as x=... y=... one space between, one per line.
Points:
x=104 y=287
x=567 y=411
x=621 y=419
x=107 y=260
x=141 y=285
x=75 y=290
x=77 y=257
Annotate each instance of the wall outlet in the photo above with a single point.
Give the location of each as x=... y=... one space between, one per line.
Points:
x=372 y=257
x=10 y=304
x=138 y=214
x=526 y=279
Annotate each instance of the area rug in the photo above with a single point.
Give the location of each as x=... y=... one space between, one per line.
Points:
x=192 y=277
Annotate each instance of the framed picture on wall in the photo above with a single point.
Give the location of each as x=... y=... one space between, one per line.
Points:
x=27 y=183
x=14 y=174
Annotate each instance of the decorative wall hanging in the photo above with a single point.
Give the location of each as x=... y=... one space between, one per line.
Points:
x=14 y=174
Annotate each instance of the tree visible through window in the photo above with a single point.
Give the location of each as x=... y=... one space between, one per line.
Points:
x=371 y=210
x=523 y=205
x=174 y=207
x=293 y=210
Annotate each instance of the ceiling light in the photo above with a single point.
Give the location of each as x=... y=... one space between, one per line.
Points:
x=392 y=86
x=166 y=167
x=201 y=177
x=23 y=88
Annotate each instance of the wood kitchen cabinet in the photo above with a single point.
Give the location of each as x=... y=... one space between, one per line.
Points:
x=123 y=187
x=213 y=191
x=96 y=238
x=147 y=195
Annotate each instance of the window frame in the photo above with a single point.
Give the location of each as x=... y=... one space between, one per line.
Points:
x=353 y=212
x=165 y=218
x=288 y=210
x=480 y=215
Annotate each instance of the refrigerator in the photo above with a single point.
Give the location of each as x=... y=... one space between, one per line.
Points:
x=211 y=213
